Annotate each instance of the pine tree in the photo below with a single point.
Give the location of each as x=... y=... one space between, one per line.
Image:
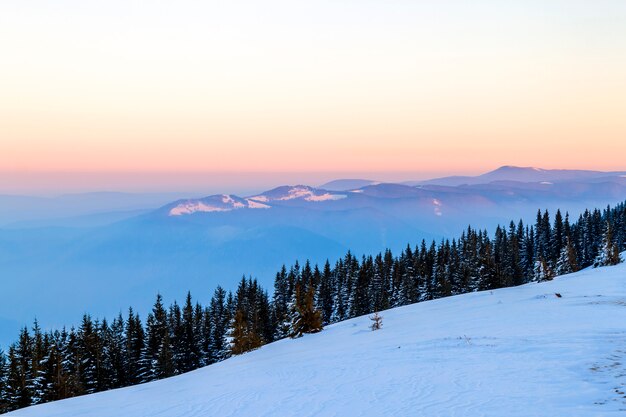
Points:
x=55 y=377
x=135 y=349
x=377 y=321
x=325 y=297
x=609 y=252
x=73 y=364
x=17 y=394
x=558 y=236
x=220 y=318
x=20 y=377
x=378 y=287
x=158 y=349
x=280 y=304
x=189 y=354
x=175 y=335
x=305 y=318
x=241 y=338
x=163 y=366
x=567 y=262
x=117 y=356
x=37 y=383
x=4 y=375
x=202 y=330
x=88 y=346
x=360 y=300
x=542 y=271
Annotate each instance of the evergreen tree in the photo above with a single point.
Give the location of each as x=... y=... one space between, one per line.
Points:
x=4 y=376
x=220 y=318
x=325 y=297
x=135 y=350
x=542 y=271
x=609 y=252
x=567 y=262
x=20 y=377
x=305 y=318
x=377 y=321
x=359 y=302
x=189 y=354
x=158 y=347
x=73 y=364
x=241 y=338
x=118 y=359
x=90 y=355
x=37 y=383
x=163 y=366
x=280 y=304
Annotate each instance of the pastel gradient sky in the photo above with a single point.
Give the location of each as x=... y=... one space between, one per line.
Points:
x=142 y=88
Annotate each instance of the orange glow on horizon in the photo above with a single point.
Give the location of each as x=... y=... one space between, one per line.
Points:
x=356 y=87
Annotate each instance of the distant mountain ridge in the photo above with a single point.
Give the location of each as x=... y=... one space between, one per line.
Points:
x=346 y=184
x=519 y=174
x=527 y=182
x=195 y=243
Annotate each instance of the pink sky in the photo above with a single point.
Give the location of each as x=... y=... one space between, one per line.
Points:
x=142 y=95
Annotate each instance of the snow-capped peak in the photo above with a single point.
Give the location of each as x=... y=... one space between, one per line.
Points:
x=214 y=203
x=303 y=192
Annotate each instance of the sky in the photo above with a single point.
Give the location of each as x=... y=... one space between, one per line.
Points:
x=146 y=94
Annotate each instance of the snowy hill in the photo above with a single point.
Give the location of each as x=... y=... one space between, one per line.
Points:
x=297 y=192
x=214 y=203
x=517 y=352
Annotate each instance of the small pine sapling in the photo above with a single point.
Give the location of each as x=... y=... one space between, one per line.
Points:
x=377 y=321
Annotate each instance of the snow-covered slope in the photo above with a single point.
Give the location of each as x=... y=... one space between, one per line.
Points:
x=297 y=192
x=512 y=352
x=214 y=203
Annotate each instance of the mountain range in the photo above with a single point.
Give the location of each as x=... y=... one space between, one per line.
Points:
x=137 y=249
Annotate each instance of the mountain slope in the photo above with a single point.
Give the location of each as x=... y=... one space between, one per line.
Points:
x=346 y=184
x=516 y=352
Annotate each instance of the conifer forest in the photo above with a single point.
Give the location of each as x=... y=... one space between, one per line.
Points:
x=100 y=354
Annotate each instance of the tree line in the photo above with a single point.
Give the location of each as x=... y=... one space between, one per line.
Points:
x=98 y=355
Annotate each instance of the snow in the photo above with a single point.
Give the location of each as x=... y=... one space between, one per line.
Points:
x=299 y=192
x=325 y=197
x=256 y=205
x=260 y=198
x=512 y=352
x=218 y=203
x=194 y=207
x=437 y=209
x=310 y=194
x=227 y=199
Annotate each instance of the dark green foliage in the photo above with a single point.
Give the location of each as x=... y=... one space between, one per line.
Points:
x=251 y=326
x=4 y=373
x=305 y=317
x=219 y=317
